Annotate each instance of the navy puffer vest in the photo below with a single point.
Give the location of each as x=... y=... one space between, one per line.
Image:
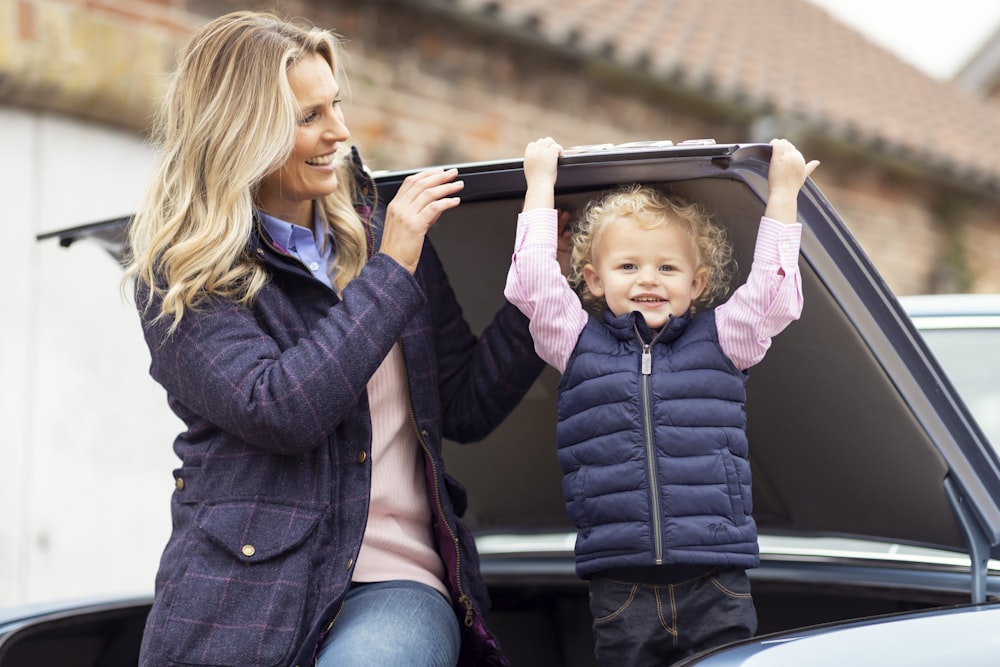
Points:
x=655 y=463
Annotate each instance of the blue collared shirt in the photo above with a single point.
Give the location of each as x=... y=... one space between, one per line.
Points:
x=303 y=244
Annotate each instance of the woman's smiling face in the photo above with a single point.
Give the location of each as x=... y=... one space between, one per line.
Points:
x=309 y=172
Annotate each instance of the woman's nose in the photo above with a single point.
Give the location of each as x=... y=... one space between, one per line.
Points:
x=336 y=130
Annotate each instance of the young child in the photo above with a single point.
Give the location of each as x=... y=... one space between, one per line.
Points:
x=651 y=408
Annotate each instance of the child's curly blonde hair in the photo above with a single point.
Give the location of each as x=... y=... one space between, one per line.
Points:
x=651 y=207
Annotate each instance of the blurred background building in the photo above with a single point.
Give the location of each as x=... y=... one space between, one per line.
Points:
x=909 y=162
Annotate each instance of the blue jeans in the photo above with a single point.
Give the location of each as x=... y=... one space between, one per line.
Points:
x=639 y=624
x=392 y=623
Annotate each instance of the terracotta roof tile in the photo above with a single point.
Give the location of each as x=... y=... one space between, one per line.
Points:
x=786 y=57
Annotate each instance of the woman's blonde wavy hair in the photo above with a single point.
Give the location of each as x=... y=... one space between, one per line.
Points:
x=227 y=121
x=651 y=208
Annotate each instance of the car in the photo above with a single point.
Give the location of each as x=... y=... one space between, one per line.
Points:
x=876 y=493
x=963 y=332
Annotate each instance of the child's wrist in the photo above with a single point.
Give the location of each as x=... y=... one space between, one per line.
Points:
x=783 y=195
x=541 y=183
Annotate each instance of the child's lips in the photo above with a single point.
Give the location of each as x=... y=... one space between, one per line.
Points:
x=649 y=299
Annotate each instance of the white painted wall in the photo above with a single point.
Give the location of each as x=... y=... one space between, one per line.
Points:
x=85 y=433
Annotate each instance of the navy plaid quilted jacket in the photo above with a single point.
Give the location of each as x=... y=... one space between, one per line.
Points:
x=272 y=492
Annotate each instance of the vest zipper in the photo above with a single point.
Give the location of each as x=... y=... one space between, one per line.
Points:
x=646 y=368
x=463 y=598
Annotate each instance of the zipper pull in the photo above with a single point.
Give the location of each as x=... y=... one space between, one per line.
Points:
x=647 y=360
x=468 y=610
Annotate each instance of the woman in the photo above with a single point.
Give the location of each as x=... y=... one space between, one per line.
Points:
x=316 y=354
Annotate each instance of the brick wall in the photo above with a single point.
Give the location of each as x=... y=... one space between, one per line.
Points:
x=98 y=60
x=427 y=89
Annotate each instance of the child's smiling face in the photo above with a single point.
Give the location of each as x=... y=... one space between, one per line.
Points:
x=653 y=270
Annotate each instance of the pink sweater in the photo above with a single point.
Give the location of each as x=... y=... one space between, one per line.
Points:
x=397 y=542
x=758 y=310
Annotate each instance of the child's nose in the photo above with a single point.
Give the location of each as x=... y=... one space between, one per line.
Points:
x=647 y=275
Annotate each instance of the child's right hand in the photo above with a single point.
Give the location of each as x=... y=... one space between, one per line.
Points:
x=541 y=158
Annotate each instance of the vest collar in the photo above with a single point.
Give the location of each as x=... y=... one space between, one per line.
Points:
x=625 y=326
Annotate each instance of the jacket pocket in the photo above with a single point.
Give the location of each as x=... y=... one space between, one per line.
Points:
x=577 y=501
x=735 y=486
x=241 y=596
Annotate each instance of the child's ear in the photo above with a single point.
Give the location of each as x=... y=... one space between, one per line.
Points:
x=700 y=282
x=593 y=280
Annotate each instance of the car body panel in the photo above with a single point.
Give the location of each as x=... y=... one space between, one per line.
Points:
x=88 y=633
x=964 y=635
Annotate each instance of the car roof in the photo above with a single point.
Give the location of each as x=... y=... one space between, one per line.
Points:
x=853 y=429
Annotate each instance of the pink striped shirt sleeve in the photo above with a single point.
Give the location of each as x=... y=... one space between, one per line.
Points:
x=770 y=299
x=757 y=311
x=536 y=285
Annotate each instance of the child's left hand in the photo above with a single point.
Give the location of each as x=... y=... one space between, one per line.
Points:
x=785 y=177
x=788 y=170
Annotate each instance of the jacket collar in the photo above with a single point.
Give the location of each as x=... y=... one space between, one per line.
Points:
x=624 y=327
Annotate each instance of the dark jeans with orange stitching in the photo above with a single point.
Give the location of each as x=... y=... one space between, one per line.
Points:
x=643 y=624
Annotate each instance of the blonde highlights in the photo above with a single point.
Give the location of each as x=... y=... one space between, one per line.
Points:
x=227 y=121
x=651 y=208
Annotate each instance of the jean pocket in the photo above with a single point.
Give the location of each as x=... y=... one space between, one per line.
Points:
x=242 y=595
x=732 y=582
x=610 y=598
